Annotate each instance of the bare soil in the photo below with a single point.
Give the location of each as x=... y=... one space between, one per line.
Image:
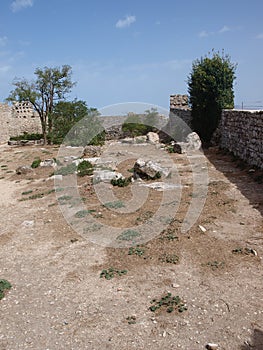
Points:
x=58 y=300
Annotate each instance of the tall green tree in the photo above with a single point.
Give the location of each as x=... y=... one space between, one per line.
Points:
x=210 y=87
x=49 y=87
x=65 y=115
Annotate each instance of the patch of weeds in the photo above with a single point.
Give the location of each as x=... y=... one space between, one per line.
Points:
x=82 y=213
x=60 y=189
x=170 y=149
x=111 y=272
x=121 y=182
x=85 y=168
x=64 y=199
x=144 y=216
x=114 y=205
x=37 y=195
x=2 y=177
x=215 y=264
x=169 y=303
x=158 y=175
x=4 y=166
x=169 y=237
x=26 y=192
x=66 y=170
x=169 y=258
x=45 y=152
x=138 y=250
x=131 y=170
x=131 y=319
x=35 y=164
x=9 y=171
x=52 y=204
x=128 y=235
x=4 y=286
x=93 y=227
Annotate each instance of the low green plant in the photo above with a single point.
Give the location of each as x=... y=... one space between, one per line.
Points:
x=170 y=149
x=215 y=264
x=85 y=168
x=83 y=213
x=121 y=182
x=128 y=235
x=4 y=286
x=169 y=258
x=26 y=136
x=66 y=170
x=168 y=302
x=35 y=164
x=169 y=237
x=26 y=192
x=138 y=250
x=245 y=251
x=114 y=205
x=111 y=272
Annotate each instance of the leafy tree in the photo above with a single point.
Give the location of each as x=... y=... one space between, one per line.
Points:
x=65 y=115
x=210 y=86
x=50 y=86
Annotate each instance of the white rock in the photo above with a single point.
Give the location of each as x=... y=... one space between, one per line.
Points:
x=212 y=346
x=106 y=176
x=152 y=137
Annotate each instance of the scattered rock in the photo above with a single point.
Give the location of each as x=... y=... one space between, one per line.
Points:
x=202 y=228
x=192 y=143
x=212 y=346
x=106 y=176
x=140 y=139
x=153 y=137
x=24 y=169
x=92 y=151
x=161 y=186
x=48 y=163
x=56 y=177
x=28 y=223
x=149 y=169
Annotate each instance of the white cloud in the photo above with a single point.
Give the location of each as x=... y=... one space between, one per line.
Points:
x=126 y=22
x=4 y=69
x=224 y=29
x=259 y=36
x=18 y=5
x=3 y=40
x=203 y=34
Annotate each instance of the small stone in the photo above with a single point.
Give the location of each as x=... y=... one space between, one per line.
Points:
x=174 y=285
x=212 y=346
x=202 y=228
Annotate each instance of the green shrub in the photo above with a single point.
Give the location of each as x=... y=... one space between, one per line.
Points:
x=168 y=302
x=66 y=170
x=36 y=163
x=4 y=286
x=26 y=136
x=111 y=272
x=121 y=182
x=85 y=168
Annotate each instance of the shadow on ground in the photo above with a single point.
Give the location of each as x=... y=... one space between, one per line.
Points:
x=248 y=180
x=257 y=341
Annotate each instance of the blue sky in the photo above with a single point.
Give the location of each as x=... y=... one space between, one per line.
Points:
x=131 y=50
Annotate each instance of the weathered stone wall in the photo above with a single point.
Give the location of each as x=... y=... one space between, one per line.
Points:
x=242 y=134
x=17 y=119
x=179 y=107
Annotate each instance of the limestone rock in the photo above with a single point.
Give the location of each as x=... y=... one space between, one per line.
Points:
x=106 y=176
x=193 y=141
x=153 y=137
x=48 y=163
x=149 y=169
x=24 y=169
x=92 y=151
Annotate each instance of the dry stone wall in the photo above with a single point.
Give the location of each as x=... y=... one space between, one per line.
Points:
x=179 y=107
x=18 y=119
x=242 y=134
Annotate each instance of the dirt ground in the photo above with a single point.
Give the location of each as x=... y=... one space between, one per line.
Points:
x=58 y=299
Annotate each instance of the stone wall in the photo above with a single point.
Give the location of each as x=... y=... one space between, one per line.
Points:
x=18 y=119
x=242 y=134
x=179 y=107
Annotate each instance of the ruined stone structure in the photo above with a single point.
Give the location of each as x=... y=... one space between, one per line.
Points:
x=179 y=106
x=242 y=134
x=18 y=119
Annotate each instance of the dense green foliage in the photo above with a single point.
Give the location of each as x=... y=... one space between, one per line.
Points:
x=66 y=115
x=4 y=286
x=137 y=125
x=26 y=136
x=210 y=86
x=85 y=168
